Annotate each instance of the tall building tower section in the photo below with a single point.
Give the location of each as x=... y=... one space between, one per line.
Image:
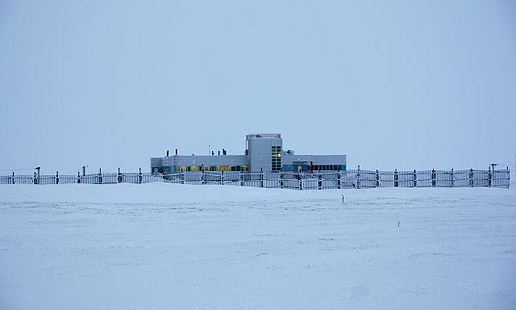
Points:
x=264 y=151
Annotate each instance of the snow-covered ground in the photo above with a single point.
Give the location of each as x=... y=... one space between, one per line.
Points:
x=165 y=246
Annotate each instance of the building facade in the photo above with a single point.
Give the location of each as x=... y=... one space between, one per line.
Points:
x=264 y=152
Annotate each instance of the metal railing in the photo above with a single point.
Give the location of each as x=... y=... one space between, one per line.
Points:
x=263 y=135
x=292 y=180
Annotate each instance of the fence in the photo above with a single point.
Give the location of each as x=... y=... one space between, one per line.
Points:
x=301 y=181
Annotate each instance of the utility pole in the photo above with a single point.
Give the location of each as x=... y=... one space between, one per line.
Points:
x=493 y=166
x=492 y=174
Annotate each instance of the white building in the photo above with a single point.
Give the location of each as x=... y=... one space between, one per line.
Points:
x=264 y=152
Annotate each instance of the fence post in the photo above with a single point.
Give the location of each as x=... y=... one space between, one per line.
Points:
x=222 y=177
x=35 y=181
x=241 y=176
x=433 y=178
x=489 y=177
x=470 y=177
x=452 y=178
x=415 y=178
x=119 y=176
x=78 y=178
x=338 y=180
x=377 y=179
x=300 y=183
x=57 y=177
x=261 y=177
x=358 y=177
x=140 y=177
x=395 y=177
x=14 y=182
x=319 y=181
x=281 y=180
x=100 y=176
x=508 y=177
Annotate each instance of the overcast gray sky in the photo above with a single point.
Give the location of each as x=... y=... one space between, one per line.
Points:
x=391 y=84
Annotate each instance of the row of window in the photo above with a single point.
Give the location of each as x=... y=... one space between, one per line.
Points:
x=172 y=169
x=316 y=167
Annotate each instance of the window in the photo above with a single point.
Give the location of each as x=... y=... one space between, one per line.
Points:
x=276 y=158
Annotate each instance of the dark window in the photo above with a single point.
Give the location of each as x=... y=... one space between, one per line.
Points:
x=276 y=158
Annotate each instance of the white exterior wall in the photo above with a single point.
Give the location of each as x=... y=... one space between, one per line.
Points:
x=260 y=152
x=222 y=160
x=316 y=159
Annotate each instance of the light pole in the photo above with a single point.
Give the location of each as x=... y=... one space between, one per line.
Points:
x=493 y=172
x=84 y=170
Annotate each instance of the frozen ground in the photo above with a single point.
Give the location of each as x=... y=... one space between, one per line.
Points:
x=162 y=246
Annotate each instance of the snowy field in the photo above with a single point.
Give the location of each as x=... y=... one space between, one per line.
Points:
x=166 y=246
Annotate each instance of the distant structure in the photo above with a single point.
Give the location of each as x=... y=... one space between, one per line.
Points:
x=264 y=152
